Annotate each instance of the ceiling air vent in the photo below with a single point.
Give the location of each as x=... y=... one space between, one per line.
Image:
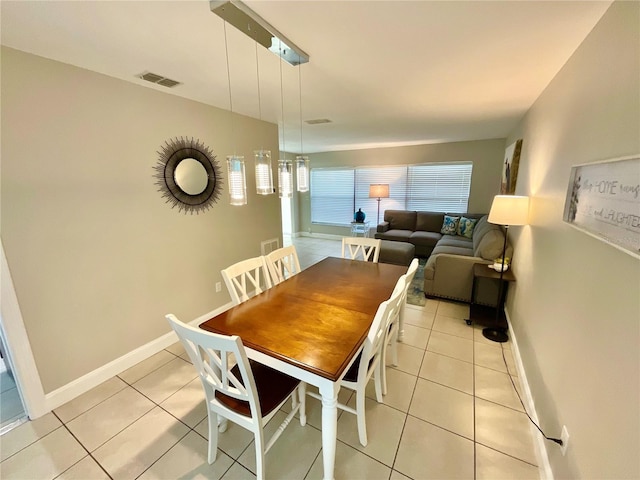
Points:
x=159 y=79
x=317 y=121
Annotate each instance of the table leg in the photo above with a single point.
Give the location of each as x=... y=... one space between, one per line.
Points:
x=329 y=394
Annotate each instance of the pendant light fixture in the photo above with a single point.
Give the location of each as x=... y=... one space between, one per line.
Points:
x=264 y=175
x=235 y=163
x=302 y=161
x=285 y=167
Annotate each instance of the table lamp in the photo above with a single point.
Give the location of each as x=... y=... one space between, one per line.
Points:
x=379 y=191
x=506 y=210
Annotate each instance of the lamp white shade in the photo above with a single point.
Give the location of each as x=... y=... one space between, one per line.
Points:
x=379 y=190
x=302 y=173
x=285 y=178
x=509 y=210
x=237 y=180
x=264 y=175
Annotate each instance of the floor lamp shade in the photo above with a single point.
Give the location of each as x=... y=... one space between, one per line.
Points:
x=509 y=210
x=379 y=190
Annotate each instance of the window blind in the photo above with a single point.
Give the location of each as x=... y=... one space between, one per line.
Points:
x=332 y=196
x=439 y=187
x=395 y=177
x=336 y=193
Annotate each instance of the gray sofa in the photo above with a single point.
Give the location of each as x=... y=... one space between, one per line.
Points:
x=448 y=272
x=421 y=229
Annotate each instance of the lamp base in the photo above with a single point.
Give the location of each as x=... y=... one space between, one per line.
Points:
x=495 y=334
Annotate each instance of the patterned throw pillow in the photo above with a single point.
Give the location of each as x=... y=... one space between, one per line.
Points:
x=450 y=225
x=466 y=226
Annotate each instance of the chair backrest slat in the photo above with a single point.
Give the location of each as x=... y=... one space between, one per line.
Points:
x=283 y=263
x=361 y=248
x=246 y=278
x=214 y=356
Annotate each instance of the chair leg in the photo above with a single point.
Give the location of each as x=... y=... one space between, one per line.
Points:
x=394 y=349
x=260 y=465
x=401 y=322
x=383 y=372
x=223 y=424
x=360 y=416
x=377 y=376
x=213 y=437
x=302 y=394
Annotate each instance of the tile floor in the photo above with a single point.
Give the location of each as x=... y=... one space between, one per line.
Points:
x=11 y=409
x=451 y=412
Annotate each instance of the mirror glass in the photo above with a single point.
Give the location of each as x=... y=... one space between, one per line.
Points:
x=191 y=176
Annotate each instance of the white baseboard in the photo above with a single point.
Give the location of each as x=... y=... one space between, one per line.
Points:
x=540 y=444
x=77 y=387
x=326 y=236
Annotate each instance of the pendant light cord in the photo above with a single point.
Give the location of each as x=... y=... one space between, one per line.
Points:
x=300 y=90
x=226 y=51
x=259 y=98
x=284 y=153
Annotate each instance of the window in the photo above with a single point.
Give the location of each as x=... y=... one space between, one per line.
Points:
x=439 y=188
x=395 y=177
x=336 y=193
x=332 y=196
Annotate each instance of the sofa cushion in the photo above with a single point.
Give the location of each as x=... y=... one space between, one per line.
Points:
x=400 y=219
x=466 y=226
x=396 y=235
x=429 y=221
x=491 y=244
x=464 y=251
x=425 y=239
x=455 y=241
x=449 y=225
x=482 y=227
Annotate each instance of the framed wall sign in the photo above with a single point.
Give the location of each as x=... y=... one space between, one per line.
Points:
x=603 y=200
x=510 y=168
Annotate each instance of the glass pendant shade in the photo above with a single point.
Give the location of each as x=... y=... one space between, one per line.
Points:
x=237 y=180
x=264 y=175
x=285 y=178
x=302 y=173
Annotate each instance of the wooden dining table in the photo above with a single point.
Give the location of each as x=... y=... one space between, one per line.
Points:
x=312 y=326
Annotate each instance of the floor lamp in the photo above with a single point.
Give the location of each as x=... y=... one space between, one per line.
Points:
x=506 y=210
x=379 y=191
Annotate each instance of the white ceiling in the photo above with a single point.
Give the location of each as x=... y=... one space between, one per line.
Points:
x=385 y=72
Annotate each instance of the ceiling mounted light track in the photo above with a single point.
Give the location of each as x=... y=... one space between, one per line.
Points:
x=257 y=28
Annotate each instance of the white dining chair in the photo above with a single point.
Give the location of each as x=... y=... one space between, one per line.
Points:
x=246 y=279
x=369 y=361
x=396 y=325
x=361 y=248
x=245 y=392
x=283 y=263
x=411 y=273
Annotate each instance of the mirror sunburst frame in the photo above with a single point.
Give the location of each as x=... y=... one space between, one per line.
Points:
x=175 y=151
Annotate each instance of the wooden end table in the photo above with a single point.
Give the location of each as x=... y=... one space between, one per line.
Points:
x=483 y=314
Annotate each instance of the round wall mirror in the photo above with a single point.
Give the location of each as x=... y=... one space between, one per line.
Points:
x=188 y=175
x=191 y=176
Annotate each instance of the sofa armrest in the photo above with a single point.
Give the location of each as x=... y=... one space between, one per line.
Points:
x=450 y=276
x=383 y=227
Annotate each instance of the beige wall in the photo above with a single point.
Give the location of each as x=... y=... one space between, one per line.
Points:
x=486 y=156
x=97 y=256
x=575 y=307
